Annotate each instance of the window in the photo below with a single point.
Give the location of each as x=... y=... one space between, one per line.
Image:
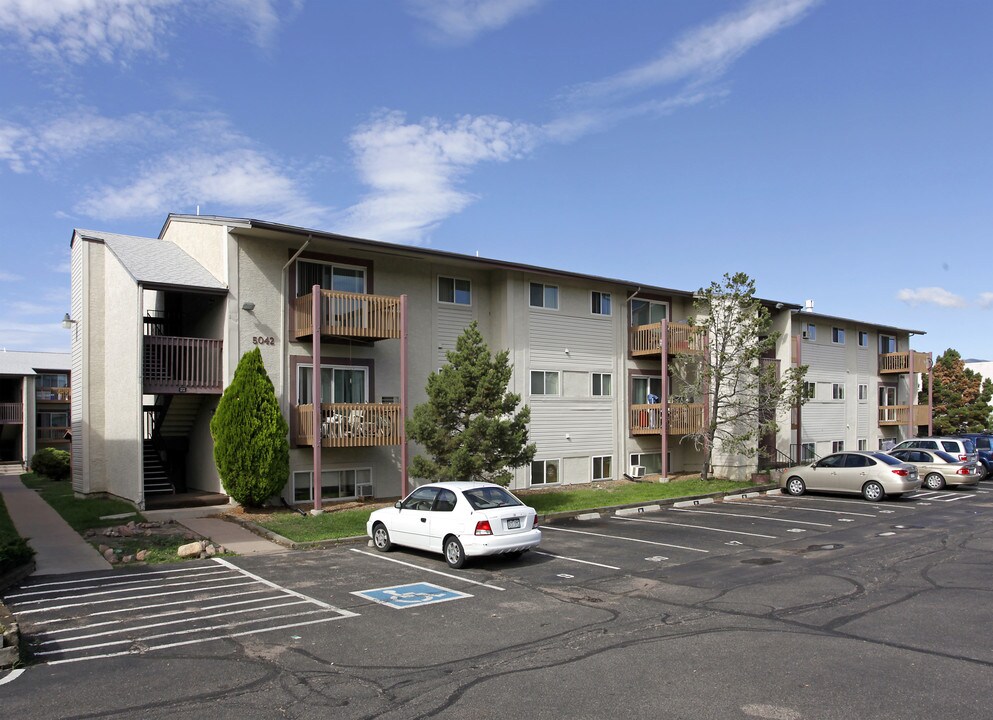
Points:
x=809 y=331
x=887 y=344
x=863 y=444
x=646 y=390
x=52 y=380
x=452 y=290
x=335 y=484
x=338 y=384
x=53 y=420
x=809 y=390
x=600 y=303
x=602 y=385
x=863 y=339
x=863 y=394
x=603 y=467
x=652 y=462
x=645 y=312
x=838 y=391
x=544 y=472
x=838 y=335
x=329 y=276
x=837 y=446
x=422 y=499
x=544 y=296
x=544 y=382
x=807 y=453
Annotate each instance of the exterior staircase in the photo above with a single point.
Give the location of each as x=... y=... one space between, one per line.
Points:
x=156 y=480
x=178 y=420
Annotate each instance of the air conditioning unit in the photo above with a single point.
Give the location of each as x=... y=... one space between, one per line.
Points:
x=804 y=335
x=637 y=471
x=363 y=490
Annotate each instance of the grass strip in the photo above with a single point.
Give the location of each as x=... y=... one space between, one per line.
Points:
x=333 y=525
x=81 y=513
x=14 y=550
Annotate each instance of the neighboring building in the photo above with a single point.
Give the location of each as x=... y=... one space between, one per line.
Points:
x=34 y=403
x=861 y=386
x=161 y=324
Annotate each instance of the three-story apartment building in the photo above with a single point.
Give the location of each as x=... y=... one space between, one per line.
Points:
x=34 y=404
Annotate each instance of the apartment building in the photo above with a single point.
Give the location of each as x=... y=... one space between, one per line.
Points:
x=34 y=404
x=160 y=324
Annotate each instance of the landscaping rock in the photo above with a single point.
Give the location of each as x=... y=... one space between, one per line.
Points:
x=190 y=550
x=141 y=555
x=109 y=556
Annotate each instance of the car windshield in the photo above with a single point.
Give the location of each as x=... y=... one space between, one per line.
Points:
x=490 y=497
x=888 y=459
x=945 y=456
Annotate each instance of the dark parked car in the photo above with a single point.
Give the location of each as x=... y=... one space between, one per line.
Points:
x=984 y=446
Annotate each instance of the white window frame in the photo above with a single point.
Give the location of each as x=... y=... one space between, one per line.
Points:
x=308 y=400
x=301 y=291
x=810 y=389
x=309 y=474
x=838 y=335
x=838 y=391
x=649 y=303
x=888 y=337
x=863 y=443
x=544 y=296
x=811 y=331
x=558 y=382
x=603 y=295
x=636 y=458
x=610 y=384
x=837 y=446
x=863 y=392
x=593 y=469
x=556 y=462
x=454 y=300
x=863 y=339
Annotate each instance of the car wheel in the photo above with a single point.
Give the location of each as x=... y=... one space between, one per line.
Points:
x=454 y=554
x=984 y=472
x=873 y=491
x=795 y=486
x=381 y=537
x=934 y=481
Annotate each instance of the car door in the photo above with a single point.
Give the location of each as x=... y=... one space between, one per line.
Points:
x=443 y=520
x=823 y=475
x=855 y=472
x=412 y=525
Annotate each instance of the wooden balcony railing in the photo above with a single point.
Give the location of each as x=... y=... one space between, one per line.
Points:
x=900 y=415
x=53 y=434
x=646 y=339
x=11 y=414
x=348 y=424
x=901 y=362
x=181 y=364
x=683 y=419
x=371 y=317
x=58 y=394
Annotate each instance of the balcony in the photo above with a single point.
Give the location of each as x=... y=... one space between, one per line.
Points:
x=683 y=419
x=352 y=315
x=348 y=424
x=54 y=394
x=904 y=362
x=683 y=339
x=11 y=414
x=900 y=415
x=181 y=365
x=53 y=434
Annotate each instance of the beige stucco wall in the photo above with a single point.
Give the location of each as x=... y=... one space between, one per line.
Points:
x=205 y=242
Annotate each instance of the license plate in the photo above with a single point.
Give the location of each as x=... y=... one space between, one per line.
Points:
x=513 y=523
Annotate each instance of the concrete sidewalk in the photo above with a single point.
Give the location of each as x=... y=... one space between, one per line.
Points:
x=210 y=524
x=59 y=548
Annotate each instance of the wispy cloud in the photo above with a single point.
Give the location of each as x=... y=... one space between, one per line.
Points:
x=414 y=170
x=931 y=296
x=986 y=300
x=702 y=54
x=9 y=277
x=461 y=21
x=76 y=31
x=34 y=336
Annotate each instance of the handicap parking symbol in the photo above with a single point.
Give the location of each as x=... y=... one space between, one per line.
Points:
x=412 y=595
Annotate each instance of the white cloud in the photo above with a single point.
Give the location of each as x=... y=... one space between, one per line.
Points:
x=34 y=336
x=414 y=170
x=932 y=296
x=75 y=31
x=986 y=300
x=704 y=53
x=462 y=20
x=9 y=277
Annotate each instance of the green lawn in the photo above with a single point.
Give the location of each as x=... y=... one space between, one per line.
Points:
x=14 y=551
x=81 y=514
x=349 y=523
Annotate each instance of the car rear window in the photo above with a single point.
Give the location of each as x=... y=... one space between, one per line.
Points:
x=888 y=459
x=945 y=456
x=490 y=497
x=970 y=447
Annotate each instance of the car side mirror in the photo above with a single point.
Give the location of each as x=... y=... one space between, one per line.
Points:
x=813 y=464
x=398 y=504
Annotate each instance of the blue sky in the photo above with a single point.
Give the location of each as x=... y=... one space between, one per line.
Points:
x=834 y=150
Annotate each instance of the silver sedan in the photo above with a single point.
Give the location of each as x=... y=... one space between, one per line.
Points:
x=939 y=468
x=873 y=475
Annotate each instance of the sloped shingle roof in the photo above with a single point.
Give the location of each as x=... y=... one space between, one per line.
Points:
x=27 y=363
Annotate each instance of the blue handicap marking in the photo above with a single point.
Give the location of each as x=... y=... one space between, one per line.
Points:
x=412 y=595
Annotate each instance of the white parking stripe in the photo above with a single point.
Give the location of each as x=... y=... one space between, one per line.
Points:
x=125 y=599
x=424 y=569
x=833 y=501
x=112 y=578
x=575 y=560
x=240 y=593
x=810 y=509
x=957 y=497
x=756 y=517
x=621 y=537
x=11 y=676
x=256 y=578
x=153 y=584
x=699 y=527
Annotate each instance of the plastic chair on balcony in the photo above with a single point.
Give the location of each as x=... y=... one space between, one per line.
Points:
x=356 y=422
x=333 y=426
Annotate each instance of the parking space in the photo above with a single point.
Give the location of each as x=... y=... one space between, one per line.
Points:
x=112 y=614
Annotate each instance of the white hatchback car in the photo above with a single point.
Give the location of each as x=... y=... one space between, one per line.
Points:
x=459 y=520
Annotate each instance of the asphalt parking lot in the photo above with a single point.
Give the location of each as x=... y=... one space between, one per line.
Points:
x=709 y=592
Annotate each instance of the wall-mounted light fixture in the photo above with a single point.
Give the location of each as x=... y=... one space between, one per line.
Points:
x=68 y=322
x=249 y=306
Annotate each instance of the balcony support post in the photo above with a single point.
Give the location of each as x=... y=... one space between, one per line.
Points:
x=911 y=388
x=930 y=396
x=316 y=398
x=664 y=398
x=403 y=396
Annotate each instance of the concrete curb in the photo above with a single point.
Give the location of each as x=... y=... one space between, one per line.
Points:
x=10 y=644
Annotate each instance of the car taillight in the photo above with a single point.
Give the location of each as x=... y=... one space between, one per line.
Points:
x=901 y=472
x=963 y=471
x=535 y=523
x=963 y=458
x=483 y=528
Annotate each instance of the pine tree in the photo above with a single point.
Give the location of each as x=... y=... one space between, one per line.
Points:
x=251 y=445
x=961 y=396
x=470 y=424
